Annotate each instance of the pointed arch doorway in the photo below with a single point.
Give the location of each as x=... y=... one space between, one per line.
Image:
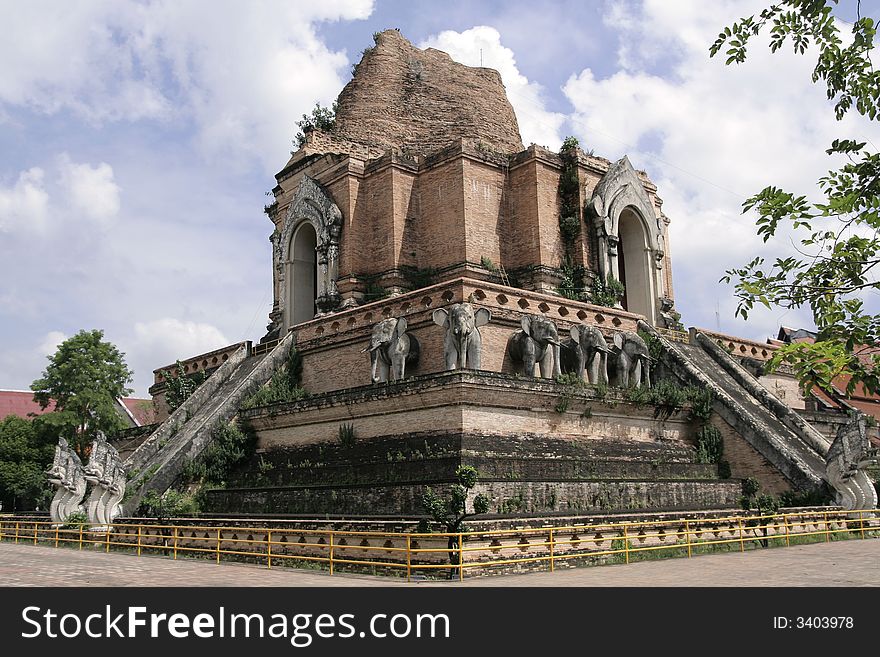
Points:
x=302 y=272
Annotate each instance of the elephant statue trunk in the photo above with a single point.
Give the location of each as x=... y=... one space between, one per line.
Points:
x=633 y=360
x=391 y=350
x=586 y=354
x=462 y=342
x=536 y=342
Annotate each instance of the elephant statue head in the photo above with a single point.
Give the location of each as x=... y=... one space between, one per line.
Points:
x=537 y=342
x=391 y=350
x=586 y=354
x=633 y=360
x=462 y=343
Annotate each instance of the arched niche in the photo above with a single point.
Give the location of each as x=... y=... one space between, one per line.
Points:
x=630 y=238
x=312 y=205
x=302 y=272
x=635 y=264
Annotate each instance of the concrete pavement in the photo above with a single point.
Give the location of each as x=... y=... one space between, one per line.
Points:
x=843 y=563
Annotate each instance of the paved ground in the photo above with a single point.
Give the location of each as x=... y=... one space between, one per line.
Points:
x=845 y=563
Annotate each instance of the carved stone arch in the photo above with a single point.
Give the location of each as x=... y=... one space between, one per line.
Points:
x=619 y=194
x=310 y=203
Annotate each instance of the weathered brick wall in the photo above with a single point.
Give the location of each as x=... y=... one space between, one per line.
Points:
x=486 y=221
x=331 y=346
x=441 y=217
x=745 y=461
x=523 y=208
x=505 y=497
x=467 y=401
x=421 y=99
x=785 y=388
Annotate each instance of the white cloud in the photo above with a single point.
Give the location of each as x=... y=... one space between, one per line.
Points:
x=483 y=44
x=50 y=343
x=83 y=193
x=162 y=341
x=90 y=190
x=24 y=206
x=244 y=72
x=710 y=136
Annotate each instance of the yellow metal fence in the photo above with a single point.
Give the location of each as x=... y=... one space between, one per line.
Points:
x=453 y=555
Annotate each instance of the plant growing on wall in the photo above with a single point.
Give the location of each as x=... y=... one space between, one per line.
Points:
x=179 y=386
x=321 y=118
x=569 y=199
x=418 y=277
x=452 y=511
x=347 y=435
x=573 y=281
x=607 y=293
x=284 y=386
x=232 y=443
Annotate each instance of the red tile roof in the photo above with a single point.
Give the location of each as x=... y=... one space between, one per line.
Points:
x=21 y=403
x=142 y=409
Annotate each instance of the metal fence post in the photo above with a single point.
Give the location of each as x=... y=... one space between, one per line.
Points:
x=107 y=539
x=787 y=538
x=218 y=545
x=35 y=533
x=827 y=533
x=408 y=558
x=140 y=527
x=460 y=557
x=331 y=553
x=80 y=537
x=269 y=549
x=17 y=527
x=625 y=543
x=687 y=535
x=552 y=555
x=56 y=536
x=175 y=542
x=861 y=524
x=742 y=544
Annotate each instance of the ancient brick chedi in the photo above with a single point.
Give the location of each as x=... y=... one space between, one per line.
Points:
x=424 y=179
x=455 y=298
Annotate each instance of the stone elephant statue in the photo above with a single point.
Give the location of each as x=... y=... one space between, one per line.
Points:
x=537 y=342
x=586 y=354
x=633 y=360
x=391 y=350
x=462 y=342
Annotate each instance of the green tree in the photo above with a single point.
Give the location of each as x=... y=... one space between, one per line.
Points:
x=84 y=377
x=26 y=450
x=839 y=239
x=451 y=512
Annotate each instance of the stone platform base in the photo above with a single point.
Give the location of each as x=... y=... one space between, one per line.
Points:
x=539 y=447
x=508 y=498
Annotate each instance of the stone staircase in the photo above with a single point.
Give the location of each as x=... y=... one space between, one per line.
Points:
x=774 y=430
x=159 y=461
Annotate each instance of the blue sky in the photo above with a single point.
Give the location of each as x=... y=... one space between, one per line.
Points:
x=138 y=140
